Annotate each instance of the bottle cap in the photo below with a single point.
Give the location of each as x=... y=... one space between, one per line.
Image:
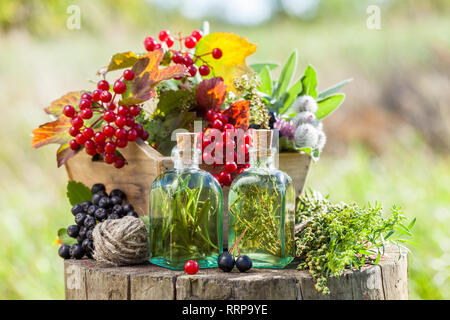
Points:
x=187 y=144
x=262 y=141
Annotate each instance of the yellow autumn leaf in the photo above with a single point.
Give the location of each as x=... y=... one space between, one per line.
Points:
x=235 y=50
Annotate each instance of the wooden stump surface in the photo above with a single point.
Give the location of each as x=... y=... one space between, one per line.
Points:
x=89 y=279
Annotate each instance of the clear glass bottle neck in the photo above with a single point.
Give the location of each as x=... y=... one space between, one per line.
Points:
x=262 y=158
x=186 y=159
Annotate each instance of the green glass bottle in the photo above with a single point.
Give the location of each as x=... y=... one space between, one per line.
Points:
x=186 y=211
x=261 y=208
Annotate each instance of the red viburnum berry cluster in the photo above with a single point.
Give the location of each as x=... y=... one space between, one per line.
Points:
x=230 y=146
x=119 y=125
x=184 y=54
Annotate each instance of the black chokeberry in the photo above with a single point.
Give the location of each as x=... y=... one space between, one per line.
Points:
x=254 y=126
x=76 y=209
x=85 y=205
x=89 y=222
x=272 y=119
x=118 y=209
x=76 y=251
x=226 y=262
x=127 y=207
x=73 y=230
x=115 y=200
x=117 y=193
x=98 y=187
x=113 y=216
x=89 y=234
x=96 y=198
x=79 y=219
x=81 y=238
x=133 y=214
x=91 y=210
x=100 y=214
x=243 y=263
x=104 y=202
x=64 y=251
x=82 y=232
x=86 y=245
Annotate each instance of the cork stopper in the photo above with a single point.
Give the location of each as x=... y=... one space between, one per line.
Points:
x=187 y=143
x=262 y=141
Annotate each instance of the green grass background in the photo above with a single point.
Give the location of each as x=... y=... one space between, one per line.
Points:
x=39 y=63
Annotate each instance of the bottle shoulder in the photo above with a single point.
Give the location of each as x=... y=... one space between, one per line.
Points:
x=187 y=177
x=257 y=175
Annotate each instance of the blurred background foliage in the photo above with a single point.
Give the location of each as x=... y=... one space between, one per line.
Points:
x=389 y=142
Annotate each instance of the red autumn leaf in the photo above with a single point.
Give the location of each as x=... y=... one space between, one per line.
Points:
x=52 y=132
x=210 y=94
x=239 y=114
x=148 y=74
x=55 y=108
x=64 y=153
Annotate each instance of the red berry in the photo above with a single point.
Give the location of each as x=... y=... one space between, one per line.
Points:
x=119 y=163
x=74 y=145
x=130 y=122
x=108 y=130
x=217 y=124
x=96 y=94
x=197 y=34
x=86 y=113
x=99 y=137
x=210 y=114
x=228 y=126
x=112 y=106
x=150 y=44
x=225 y=178
x=217 y=53
x=147 y=40
x=163 y=35
x=187 y=60
x=84 y=104
x=73 y=131
x=139 y=128
x=110 y=147
x=191 y=267
x=100 y=147
x=144 y=135
x=128 y=74
x=86 y=95
x=88 y=133
x=109 y=158
x=119 y=87
x=89 y=144
x=134 y=110
x=77 y=122
x=248 y=139
x=190 y=42
x=177 y=58
x=240 y=171
x=69 y=111
x=109 y=116
x=204 y=70
x=230 y=167
x=132 y=135
x=169 y=42
x=158 y=46
x=121 y=121
x=80 y=139
x=192 y=70
x=120 y=133
x=122 y=111
x=122 y=143
x=106 y=96
x=103 y=85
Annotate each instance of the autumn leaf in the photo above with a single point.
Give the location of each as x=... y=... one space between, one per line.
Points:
x=52 y=132
x=211 y=94
x=64 y=153
x=239 y=114
x=235 y=50
x=148 y=74
x=56 y=106
x=122 y=60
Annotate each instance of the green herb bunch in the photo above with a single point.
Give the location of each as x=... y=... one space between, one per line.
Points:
x=332 y=237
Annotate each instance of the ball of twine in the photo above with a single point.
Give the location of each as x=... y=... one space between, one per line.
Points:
x=121 y=241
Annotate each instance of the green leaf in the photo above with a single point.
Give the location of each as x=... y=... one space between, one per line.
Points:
x=411 y=224
x=291 y=95
x=328 y=92
x=258 y=67
x=309 y=82
x=328 y=105
x=122 y=60
x=286 y=75
x=77 y=192
x=266 y=81
x=64 y=237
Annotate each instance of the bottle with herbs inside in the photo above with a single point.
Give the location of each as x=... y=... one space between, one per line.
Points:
x=261 y=208
x=186 y=211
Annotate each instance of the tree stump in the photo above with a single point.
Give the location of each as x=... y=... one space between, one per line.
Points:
x=90 y=280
